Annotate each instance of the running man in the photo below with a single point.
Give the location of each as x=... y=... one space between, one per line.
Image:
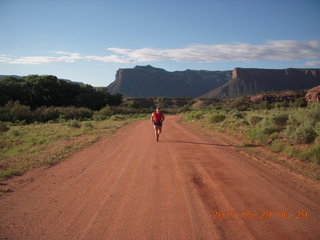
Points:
x=157 y=118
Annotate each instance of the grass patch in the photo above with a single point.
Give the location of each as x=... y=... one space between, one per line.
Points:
x=292 y=131
x=25 y=147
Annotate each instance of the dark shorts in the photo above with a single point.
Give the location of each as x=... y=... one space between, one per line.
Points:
x=158 y=123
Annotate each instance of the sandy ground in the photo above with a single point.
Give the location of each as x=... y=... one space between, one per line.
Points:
x=187 y=186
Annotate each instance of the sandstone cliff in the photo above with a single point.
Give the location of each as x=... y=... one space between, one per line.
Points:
x=147 y=81
x=250 y=81
x=313 y=95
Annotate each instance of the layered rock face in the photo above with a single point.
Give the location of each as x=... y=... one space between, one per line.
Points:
x=250 y=81
x=313 y=95
x=147 y=81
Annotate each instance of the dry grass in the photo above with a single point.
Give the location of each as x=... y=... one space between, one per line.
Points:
x=25 y=147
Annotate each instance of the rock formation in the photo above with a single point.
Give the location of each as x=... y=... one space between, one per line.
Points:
x=250 y=81
x=147 y=81
x=289 y=96
x=313 y=95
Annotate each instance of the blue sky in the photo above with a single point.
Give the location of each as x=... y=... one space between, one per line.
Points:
x=89 y=40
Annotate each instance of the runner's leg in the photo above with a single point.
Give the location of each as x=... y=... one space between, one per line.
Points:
x=159 y=131
x=155 y=131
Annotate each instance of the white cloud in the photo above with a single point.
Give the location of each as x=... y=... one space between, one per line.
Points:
x=286 y=50
x=271 y=50
x=312 y=64
x=67 y=57
x=108 y=59
x=4 y=58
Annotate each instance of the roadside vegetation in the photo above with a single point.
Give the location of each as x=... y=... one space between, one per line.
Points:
x=44 y=119
x=26 y=146
x=288 y=128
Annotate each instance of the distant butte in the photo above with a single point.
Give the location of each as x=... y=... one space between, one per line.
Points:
x=148 y=81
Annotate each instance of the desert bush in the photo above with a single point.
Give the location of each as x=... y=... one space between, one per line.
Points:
x=257 y=135
x=195 y=115
x=263 y=130
x=15 y=133
x=74 y=124
x=103 y=113
x=75 y=113
x=300 y=134
x=44 y=114
x=253 y=120
x=268 y=126
x=5 y=115
x=239 y=115
x=241 y=104
x=317 y=128
x=3 y=127
x=313 y=114
x=263 y=105
x=182 y=109
x=277 y=146
x=280 y=120
x=284 y=104
x=290 y=151
x=311 y=154
x=300 y=102
x=88 y=125
x=216 y=117
x=15 y=112
x=117 y=117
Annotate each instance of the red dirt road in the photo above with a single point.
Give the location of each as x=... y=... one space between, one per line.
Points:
x=131 y=187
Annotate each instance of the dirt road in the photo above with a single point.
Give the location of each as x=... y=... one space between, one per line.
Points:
x=132 y=187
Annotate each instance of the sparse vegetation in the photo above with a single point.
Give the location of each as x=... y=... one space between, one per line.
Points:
x=3 y=127
x=292 y=129
x=24 y=147
x=217 y=117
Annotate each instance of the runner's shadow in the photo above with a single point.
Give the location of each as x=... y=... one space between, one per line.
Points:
x=201 y=143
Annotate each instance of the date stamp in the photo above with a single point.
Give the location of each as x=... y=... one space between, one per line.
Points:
x=263 y=214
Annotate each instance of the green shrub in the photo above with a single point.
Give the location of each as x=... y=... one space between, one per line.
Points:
x=241 y=104
x=3 y=127
x=253 y=120
x=117 y=117
x=241 y=123
x=311 y=154
x=103 y=113
x=317 y=128
x=280 y=120
x=75 y=113
x=88 y=125
x=15 y=133
x=8 y=173
x=195 y=115
x=15 y=112
x=263 y=105
x=284 y=104
x=302 y=134
x=300 y=102
x=290 y=151
x=258 y=135
x=74 y=124
x=217 y=117
x=277 y=146
x=239 y=115
x=313 y=114
x=44 y=114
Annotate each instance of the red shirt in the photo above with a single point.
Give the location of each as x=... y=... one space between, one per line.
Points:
x=157 y=117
